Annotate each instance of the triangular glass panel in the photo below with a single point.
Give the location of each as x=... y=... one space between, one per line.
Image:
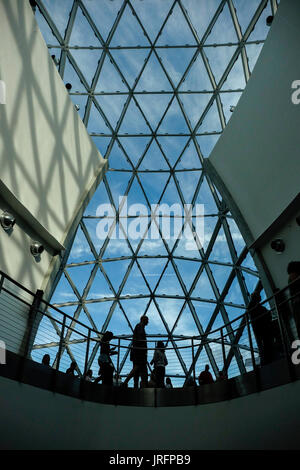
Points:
x=183 y=33
x=153 y=247
x=187 y=270
x=136 y=196
x=249 y=263
x=187 y=247
x=207 y=143
x=186 y=326
x=250 y=280
x=197 y=79
x=154 y=327
x=154 y=160
x=119 y=326
x=116 y=271
x=153 y=192
x=80 y=276
x=203 y=288
x=211 y=121
x=81 y=250
x=134 y=309
x=59 y=15
x=100 y=197
x=205 y=197
x=219 y=58
x=99 y=312
x=96 y=123
x=220 y=251
x=129 y=31
x=237 y=238
x=118 y=159
x=82 y=33
x=153 y=77
x=169 y=284
x=189 y=159
x=245 y=12
x=223 y=29
x=105 y=20
x=112 y=106
x=130 y=62
x=63 y=292
x=71 y=76
x=117 y=247
x=234 y=294
x=153 y=106
x=173 y=122
x=204 y=312
x=261 y=29
x=152 y=15
x=188 y=181
x=172 y=147
x=46 y=32
x=110 y=79
x=253 y=51
x=170 y=309
x=135 y=284
x=134 y=122
x=236 y=78
x=134 y=148
x=102 y=144
x=118 y=182
x=194 y=105
x=201 y=14
x=87 y=61
x=152 y=269
x=176 y=61
x=99 y=288
x=220 y=274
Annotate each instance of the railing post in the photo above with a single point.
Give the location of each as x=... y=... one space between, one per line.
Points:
x=87 y=353
x=223 y=350
x=252 y=351
x=118 y=360
x=194 y=374
x=61 y=340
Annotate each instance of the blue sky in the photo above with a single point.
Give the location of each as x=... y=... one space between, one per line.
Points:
x=169 y=158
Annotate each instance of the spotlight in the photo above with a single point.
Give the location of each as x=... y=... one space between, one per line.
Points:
x=7 y=220
x=68 y=86
x=232 y=108
x=278 y=245
x=77 y=107
x=269 y=20
x=36 y=249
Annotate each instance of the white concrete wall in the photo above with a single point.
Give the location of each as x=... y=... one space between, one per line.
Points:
x=32 y=418
x=49 y=166
x=257 y=156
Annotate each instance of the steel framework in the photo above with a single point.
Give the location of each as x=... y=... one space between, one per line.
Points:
x=115 y=118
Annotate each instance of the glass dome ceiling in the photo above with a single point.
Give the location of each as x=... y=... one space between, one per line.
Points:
x=155 y=82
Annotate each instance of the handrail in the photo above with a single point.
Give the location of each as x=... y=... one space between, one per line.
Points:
x=205 y=339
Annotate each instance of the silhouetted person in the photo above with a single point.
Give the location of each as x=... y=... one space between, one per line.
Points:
x=261 y=321
x=205 y=377
x=89 y=375
x=46 y=360
x=71 y=370
x=106 y=366
x=138 y=354
x=293 y=270
x=160 y=361
x=169 y=383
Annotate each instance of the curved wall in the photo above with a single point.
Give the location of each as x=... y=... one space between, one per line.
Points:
x=255 y=163
x=44 y=420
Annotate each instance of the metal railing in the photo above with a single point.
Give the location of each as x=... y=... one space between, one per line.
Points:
x=32 y=327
